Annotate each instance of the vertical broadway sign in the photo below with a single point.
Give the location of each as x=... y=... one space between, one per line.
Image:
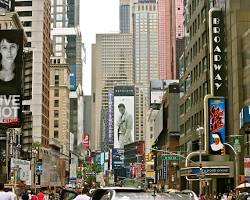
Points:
x=217 y=61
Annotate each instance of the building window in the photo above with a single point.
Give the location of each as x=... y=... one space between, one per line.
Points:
x=25 y=13
x=56 y=113
x=29 y=34
x=56 y=135
x=56 y=103
x=59 y=9
x=56 y=80
x=56 y=92
x=27 y=23
x=56 y=123
x=23 y=3
x=58 y=39
x=28 y=44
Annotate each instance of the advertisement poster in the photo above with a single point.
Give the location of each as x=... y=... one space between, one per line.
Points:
x=23 y=170
x=124 y=109
x=11 y=56
x=216 y=110
x=72 y=77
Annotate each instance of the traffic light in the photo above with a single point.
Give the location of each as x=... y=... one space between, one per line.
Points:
x=149 y=156
x=222 y=152
x=146 y=157
x=200 y=165
x=154 y=146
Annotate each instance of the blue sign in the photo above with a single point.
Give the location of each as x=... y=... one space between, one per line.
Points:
x=39 y=168
x=72 y=79
x=117 y=158
x=216 y=117
x=244 y=116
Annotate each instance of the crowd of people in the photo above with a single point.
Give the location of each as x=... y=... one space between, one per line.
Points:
x=40 y=194
x=26 y=194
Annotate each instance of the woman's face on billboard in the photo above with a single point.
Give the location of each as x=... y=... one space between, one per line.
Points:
x=8 y=51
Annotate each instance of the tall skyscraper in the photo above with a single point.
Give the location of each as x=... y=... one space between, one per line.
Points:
x=145 y=33
x=112 y=64
x=170 y=15
x=126 y=16
x=59 y=109
x=66 y=40
x=66 y=35
x=35 y=16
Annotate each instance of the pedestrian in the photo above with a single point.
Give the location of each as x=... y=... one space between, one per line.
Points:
x=33 y=196
x=4 y=195
x=12 y=194
x=40 y=196
x=84 y=195
x=25 y=195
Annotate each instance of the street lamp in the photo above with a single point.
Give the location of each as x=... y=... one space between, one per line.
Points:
x=236 y=163
x=34 y=152
x=200 y=131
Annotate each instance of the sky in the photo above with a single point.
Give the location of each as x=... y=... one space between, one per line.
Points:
x=96 y=16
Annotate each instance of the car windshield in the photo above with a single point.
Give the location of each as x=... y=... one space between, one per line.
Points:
x=150 y=196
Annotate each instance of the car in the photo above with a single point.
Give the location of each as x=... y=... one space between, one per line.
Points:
x=128 y=193
x=191 y=193
x=243 y=196
x=68 y=194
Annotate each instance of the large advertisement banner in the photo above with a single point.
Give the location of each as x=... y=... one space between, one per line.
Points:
x=217 y=126
x=217 y=54
x=124 y=109
x=22 y=168
x=111 y=117
x=72 y=78
x=117 y=158
x=11 y=56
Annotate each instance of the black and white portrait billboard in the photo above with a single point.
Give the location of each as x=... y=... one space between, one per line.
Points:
x=124 y=108
x=11 y=56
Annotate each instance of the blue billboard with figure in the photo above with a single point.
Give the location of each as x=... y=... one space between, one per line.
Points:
x=72 y=79
x=217 y=127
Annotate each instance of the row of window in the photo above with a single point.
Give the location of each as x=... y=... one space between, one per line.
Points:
x=195 y=97
x=146 y=8
x=197 y=23
x=193 y=121
x=192 y=6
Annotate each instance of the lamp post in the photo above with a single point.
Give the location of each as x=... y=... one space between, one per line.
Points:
x=34 y=156
x=236 y=164
x=200 y=130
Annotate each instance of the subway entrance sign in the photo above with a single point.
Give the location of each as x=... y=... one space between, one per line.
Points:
x=170 y=157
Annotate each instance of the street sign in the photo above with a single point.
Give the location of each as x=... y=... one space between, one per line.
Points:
x=170 y=157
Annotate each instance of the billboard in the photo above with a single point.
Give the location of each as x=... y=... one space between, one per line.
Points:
x=217 y=54
x=72 y=78
x=11 y=55
x=117 y=158
x=157 y=89
x=23 y=170
x=124 y=109
x=245 y=118
x=110 y=117
x=217 y=126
